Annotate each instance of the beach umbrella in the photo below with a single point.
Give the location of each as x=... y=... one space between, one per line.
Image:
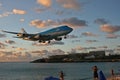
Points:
x=101 y=76
x=51 y=78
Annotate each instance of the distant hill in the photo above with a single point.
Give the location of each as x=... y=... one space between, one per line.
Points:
x=93 y=56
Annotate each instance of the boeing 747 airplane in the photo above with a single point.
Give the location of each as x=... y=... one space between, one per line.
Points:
x=42 y=37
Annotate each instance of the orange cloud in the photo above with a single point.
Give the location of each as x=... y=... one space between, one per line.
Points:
x=112 y=36
x=14 y=56
x=38 y=23
x=5 y=14
x=109 y=28
x=71 y=4
x=46 y=3
x=18 y=11
x=72 y=22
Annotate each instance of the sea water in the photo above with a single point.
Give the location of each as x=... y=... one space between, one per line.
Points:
x=39 y=71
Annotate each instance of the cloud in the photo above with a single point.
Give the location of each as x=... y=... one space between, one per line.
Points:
x=72 y=36
x=112 y=36
x=74 y=41
x=84 y=48
x=22 y=20
x=46 y=53
x=89 y=34
x=41 y=24
x=101 y=21
x=56 y=43
x=46 y=3
x=14 y=56
x=10 y=42
x=5 y=14
x=39 y=10
x=2 y=35
x=2 y=45
x=48 y=44
x=118 y=46
x=70 y=4
x=18 y=11
x=20 y=49
x=91 y=41
x=109 y=28
x=72 y=22
x=104 y=47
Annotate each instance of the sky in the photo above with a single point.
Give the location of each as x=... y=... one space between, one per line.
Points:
x=95 y=23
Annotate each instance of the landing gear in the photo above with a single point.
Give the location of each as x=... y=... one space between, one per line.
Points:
x=40 y=41
x=48 y=41
x=65 y=37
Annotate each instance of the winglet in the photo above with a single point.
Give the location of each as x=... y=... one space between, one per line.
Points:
x=23 y=30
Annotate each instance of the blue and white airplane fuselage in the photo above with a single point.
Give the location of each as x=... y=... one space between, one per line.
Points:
x=54 y=33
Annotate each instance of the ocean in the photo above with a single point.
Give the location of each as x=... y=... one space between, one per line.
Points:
x=39 y=71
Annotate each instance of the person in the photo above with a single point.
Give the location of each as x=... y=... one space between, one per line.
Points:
x=95 y=72
x=112 y=72
x=61 y=75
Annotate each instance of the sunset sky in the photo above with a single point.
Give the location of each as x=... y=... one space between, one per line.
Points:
x=96 y=25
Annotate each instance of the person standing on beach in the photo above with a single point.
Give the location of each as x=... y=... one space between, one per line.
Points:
x=95 y=72
x=61 y=75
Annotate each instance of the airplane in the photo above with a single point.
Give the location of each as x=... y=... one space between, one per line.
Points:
x=42 y=37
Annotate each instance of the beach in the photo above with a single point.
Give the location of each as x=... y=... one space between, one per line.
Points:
x=39 y=71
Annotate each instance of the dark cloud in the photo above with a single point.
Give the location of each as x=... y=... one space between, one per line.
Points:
x=10 y=42
x=40 y=10
x=74 y=41
x=57 y=43
x=118 y=46
x=89 y=34
x=2 y=35
x=109 y=28
x=104 y=47
x=101 y=21
x=91 y=41
x=72 y=22
x=112 y=36
x=72 y=36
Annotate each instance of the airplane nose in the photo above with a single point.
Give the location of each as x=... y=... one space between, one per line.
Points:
x=71 y=29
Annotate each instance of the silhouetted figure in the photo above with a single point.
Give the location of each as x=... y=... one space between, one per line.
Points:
x=61 y=75
x=95 y=73
x=112 y=72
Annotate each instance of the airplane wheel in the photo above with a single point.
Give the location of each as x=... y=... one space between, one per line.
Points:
x=65 y=37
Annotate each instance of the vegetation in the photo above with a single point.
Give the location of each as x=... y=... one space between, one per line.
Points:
x=93 y=56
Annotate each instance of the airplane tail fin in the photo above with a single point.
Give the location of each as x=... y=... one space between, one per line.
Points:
x=23 y=30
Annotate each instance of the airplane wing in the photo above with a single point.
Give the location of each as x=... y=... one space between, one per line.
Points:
x=19 y=34
x=10 y=32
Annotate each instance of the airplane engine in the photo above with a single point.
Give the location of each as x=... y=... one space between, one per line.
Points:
x=21 y=35
x=58 y=39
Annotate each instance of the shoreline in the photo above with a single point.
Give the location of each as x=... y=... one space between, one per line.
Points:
x=47 y=61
